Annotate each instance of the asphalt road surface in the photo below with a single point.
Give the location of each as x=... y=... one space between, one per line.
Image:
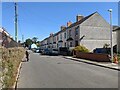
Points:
x=57 y=72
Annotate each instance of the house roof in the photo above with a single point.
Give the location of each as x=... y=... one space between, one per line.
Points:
x=115 y=28
x=3 y=30
x=81 y=21
x=76 y=23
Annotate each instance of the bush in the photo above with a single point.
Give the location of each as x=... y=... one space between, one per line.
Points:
x=81 y=49
x=119 y=57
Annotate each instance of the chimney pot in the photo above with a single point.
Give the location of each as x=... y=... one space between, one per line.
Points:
x=51 y=34
x=63 y=27
x=69 y=23
x=79 y=17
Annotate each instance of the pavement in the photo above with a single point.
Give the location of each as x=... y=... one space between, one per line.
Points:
x=101 y=64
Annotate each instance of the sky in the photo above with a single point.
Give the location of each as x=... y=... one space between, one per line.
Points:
x=39 y=19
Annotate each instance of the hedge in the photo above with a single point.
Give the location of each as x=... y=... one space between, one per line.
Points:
x=10 y=61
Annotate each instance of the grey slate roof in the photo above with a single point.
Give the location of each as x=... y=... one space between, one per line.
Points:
x=74 y=24
x=81 y=21
x=115 y=28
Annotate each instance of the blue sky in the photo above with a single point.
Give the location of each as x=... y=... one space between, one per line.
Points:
x=39 y=19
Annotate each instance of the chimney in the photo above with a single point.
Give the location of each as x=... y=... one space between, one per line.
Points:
x=63 y=27
x=79 y=17
x=69 y=23
x=51 y=34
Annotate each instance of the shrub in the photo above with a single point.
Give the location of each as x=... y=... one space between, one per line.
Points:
x=119 y=58
x=81 y=48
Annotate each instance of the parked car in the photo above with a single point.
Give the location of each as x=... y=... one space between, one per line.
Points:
x=37 y=50
x=54 y=52
x=40 y=50
x=45 y=51
x=64 y=51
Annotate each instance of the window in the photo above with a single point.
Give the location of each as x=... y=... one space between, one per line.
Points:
x=60 y=36
x=70 y=44
x=54 y=39
x=65 y=44
x=57 y=37
x=76 y=43
x=69 y=33
x=76 y=30
x=65 y=35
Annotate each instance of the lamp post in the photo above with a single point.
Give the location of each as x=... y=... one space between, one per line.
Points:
x=111 y=44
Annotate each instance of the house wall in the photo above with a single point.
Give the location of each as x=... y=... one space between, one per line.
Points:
x=118 y=40
x=72 y=36
x=96 y=31
x=114 y=38
x=65 y=38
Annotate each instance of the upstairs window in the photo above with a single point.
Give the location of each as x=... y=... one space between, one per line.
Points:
x=69 y=33
x=57 y=37
x=65 y=35
x=61 y=36
x=76 y=30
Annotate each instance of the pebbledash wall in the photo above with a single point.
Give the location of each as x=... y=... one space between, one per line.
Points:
x=96 y=31
x=118 y=38
x=92 y=31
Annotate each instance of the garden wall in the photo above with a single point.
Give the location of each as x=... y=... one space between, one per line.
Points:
x=93 y=56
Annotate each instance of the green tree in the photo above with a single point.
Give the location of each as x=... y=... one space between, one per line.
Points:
x=34 y=39
x=38 y=43
x=28 y=42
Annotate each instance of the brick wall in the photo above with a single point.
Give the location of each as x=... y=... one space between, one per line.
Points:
x=93 y=56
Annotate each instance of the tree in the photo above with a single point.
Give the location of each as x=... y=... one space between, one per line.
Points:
x=38 y=43
x=34 y=39
x=28 y=42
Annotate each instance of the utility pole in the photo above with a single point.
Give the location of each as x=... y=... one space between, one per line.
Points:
x=111 y=42
x=22 y=38
x=16 y=23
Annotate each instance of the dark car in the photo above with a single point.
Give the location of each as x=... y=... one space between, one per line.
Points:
x=53 y=52
x=64 y=51
x=45 y=51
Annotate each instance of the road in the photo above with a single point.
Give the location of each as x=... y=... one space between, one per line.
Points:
x=57 y=72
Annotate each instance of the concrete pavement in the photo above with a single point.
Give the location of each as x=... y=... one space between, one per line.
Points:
x=101 y=64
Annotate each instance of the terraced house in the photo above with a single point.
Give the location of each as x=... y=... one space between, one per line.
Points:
x=6 y=39
x=92 y=31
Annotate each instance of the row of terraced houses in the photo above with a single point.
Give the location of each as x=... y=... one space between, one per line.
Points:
x=92 y=31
